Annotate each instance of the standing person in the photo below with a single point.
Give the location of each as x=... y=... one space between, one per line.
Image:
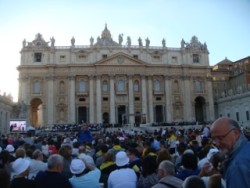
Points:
x=52 y=177
x=165 y=173
x=21 y=169
x=124 y=176
x=227 y=136
x=85 y=135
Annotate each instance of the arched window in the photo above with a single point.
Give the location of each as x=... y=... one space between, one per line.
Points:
x=121 y=85
x=36 y=87
x=157 y=85
x=136 y=86
x=82 y=86
x=105 y=86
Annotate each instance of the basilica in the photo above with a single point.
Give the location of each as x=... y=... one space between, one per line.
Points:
x=115 y=82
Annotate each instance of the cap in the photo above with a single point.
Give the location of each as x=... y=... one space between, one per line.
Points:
x=121 y=158
x=20 y=165
x=77 y=166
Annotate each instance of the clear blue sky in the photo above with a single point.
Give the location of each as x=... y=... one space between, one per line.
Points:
x=223 y=24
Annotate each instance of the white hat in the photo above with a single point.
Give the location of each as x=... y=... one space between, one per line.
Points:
x=77 y=166
x=20 y=165
x=121 y=158
x=211 y=152
x=10 y=148
x=87 y=158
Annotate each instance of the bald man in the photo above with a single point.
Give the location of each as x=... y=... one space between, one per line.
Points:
x=227 y=136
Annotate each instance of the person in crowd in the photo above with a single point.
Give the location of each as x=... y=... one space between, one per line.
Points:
x=45 y=149
x=148 y=176
x=189 y=163
x=228 y=137
x=181 y=147
x=85 y=135
x=116 y=147
x=206 y=159
x=4 y=178
x=66 y=152
x=52 y=177
x=84 y=177
x=28 y=138
x=36 y=164
x=135 y=161
x=123 y=176
x=193 y=182
x=100 y=155
x=108 y=165
x=165 y=173
x=20 y=153
x=162 y=155
x=21 y=170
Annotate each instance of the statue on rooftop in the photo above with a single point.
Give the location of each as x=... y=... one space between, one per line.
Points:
x=129 y=41
x=147 y=42
x=140 y=42
x=182 y=43
x=52 y=40
x=163 y=43
x=120 y=38
x=91 y=41
x=73 y=41
x=24 y=43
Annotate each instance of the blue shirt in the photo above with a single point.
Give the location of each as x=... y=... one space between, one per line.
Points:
x=237 y=167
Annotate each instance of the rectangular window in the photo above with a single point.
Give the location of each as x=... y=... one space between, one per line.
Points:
x=38 y=57
x=105 y=99
x=196 y=58
x=135 y=56
x=237 y=116
x=247 y=114
x=174 y=59
x=62 y=57
x=82 y=99
x=104 y=56
x=137 y=98
x=158 y=98
x=157 y=58
x=228 y=115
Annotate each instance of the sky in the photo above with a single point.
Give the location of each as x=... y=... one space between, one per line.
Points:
x=223 y=24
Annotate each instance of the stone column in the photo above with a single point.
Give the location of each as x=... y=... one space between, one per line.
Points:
x=187 y=99
x=91 y=100
x=210 y=114
x=168 y=100
x=144 y=97
x=50 y=102
x=112 y=100
x=150 y=100
x=72 y=109
x=131 y=100
x=98 y=100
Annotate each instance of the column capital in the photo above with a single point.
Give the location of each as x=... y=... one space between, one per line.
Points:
x=111 y=76
x=168 y=77
x=71 y=77
x=50 y=77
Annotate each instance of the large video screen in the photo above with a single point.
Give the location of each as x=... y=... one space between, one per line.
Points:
x=17 y=125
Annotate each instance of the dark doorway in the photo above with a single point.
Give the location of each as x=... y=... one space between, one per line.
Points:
x=82 y=114
x=36 y=113
x=122 y=117
x=105 y=117
x=137 y=119
x=200 y=109
x=158 y=113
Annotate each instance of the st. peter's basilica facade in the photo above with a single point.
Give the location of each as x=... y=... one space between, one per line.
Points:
x=115 y=82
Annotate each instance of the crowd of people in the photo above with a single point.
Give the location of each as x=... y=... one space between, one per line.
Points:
x=215 y=156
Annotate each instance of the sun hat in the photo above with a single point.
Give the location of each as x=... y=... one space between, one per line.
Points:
x=121 y=158
x=10 y=148
x=20 y=165
x=87 y=158
x=211 y=152
x=77 y=166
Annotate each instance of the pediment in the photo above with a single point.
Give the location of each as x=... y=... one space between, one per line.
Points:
x=120 y=59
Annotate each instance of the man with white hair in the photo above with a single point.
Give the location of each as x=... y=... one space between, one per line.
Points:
x=165 y=173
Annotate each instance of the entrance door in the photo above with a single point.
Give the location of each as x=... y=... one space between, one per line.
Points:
x=122 y=118
x=82 y=114
x=158 y=113
x=105 y=117
x=200 y=109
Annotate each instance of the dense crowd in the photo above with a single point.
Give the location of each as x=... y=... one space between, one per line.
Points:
x=166 y=157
